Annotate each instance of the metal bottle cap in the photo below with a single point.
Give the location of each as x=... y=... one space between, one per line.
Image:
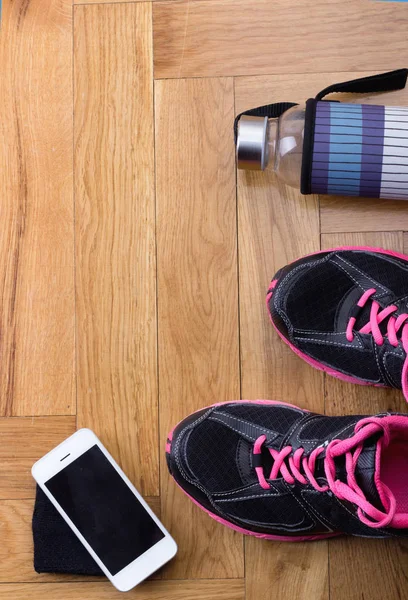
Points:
x=252 y=143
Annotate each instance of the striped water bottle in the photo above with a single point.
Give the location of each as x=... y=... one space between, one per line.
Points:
x=330 y=147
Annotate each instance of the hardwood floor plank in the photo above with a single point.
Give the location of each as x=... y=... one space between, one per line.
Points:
x=23 y=441
x=80 y=2
x=374 y=569
x=286 y=570
x=37 y=238
x=276 y=226
x=339 y=214
x=269 y=213
x=231 y=37
x=151 y=590
x=197 y=294
x=363 y=568
x=115 y=235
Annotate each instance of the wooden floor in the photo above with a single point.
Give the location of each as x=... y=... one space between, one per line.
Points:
x=134 y=262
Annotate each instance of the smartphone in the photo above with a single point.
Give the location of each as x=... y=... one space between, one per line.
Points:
x=104 y=509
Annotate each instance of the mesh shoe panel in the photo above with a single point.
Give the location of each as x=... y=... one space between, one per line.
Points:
x=277 y=418
x=313 y=299
x=326 y=427
x=211 y=451
x=278 y=510
x=353 y=361
x=385 y=271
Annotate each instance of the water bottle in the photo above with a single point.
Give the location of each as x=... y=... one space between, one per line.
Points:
x=331 y=147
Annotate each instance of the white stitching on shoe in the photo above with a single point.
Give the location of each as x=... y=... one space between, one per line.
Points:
x=214 y=418
x=243 y=489
x=377 y=361
x=188 y=434
x=323 y=519
x=399 y=354
x=335 y=344
x=303 y=507
x=361 y=273
x=278 y=302
x=349 y=275
x=245 y=422
x=306 y=418
x=248 y=497
x=279 y=290
x=176 y=454
x=318 y=332
x=316 y=418
x=251 y=437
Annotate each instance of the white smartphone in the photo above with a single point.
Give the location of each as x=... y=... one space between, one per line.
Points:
x=104 y=509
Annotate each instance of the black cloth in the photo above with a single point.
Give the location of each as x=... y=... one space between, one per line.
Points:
x=56 y=547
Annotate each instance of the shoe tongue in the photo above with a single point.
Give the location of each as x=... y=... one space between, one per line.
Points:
x=366 y=469
x=363 y=317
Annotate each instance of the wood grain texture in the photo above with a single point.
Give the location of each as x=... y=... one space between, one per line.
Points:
x=80 y=2
x=276 y=225
x=16 y=549
x=362 y=568
x=151 y=590
x=339 y=214
x=22 y=442
x=197 y=294
x=268 y=214
x=216 y=255
x=286 y=570
x=232 y=37
x=36 y=211
x=115 y=235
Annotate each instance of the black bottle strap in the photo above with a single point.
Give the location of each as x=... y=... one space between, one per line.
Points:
x=384 y=82
x=269 y=110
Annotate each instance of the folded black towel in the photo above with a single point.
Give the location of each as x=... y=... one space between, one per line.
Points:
x=56 y=547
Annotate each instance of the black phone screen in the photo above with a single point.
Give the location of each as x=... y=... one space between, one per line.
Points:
x=104 y=509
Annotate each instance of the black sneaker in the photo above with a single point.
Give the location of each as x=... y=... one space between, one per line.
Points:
x=276 y=471
x=344 y=311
